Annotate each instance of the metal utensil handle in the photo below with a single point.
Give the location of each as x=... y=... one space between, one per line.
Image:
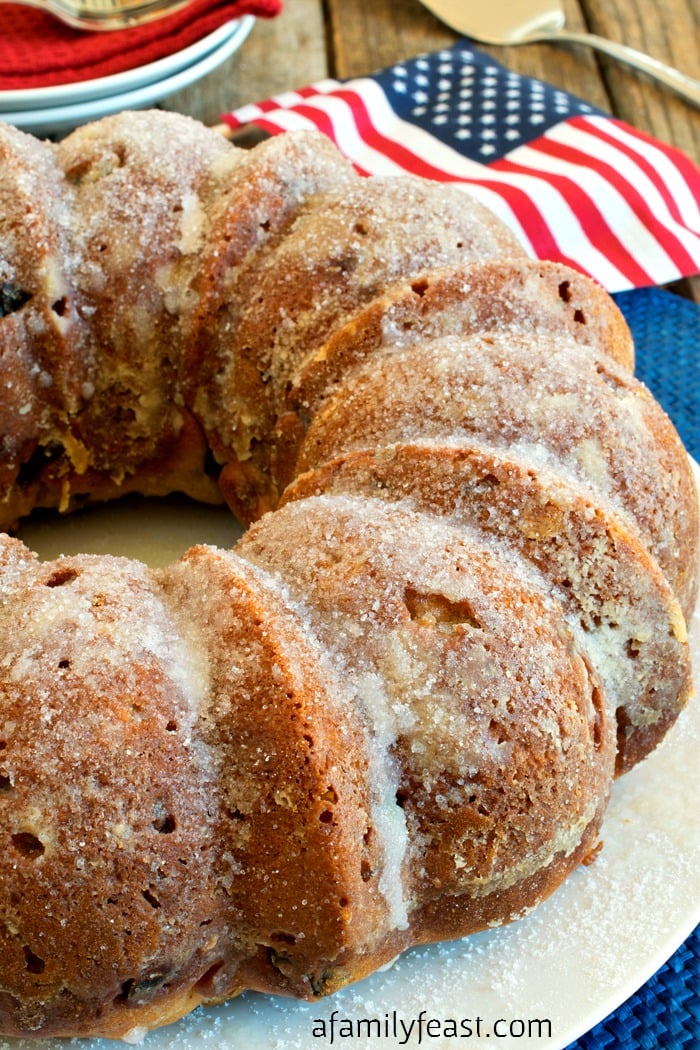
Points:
x=106 y=14
x=683 y=85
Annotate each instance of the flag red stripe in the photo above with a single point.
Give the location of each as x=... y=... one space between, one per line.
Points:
x=656 y=225
x=590 y=217
x=370 y=134
x=687 y=171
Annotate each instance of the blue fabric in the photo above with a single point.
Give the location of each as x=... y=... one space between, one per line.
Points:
x=665 y=1013
x=666 y=330
x=466 y=99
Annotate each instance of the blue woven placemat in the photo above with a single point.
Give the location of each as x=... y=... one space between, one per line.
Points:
x=664 y=1013
x=666 y=329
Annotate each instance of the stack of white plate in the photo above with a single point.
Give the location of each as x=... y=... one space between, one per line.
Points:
x=51 y=111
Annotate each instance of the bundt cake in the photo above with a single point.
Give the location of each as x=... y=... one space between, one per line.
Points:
x=393 y=713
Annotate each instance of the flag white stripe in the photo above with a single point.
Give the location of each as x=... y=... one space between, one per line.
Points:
x=289 y=120
x=349 y=139
x=624 y=225
x=345 y=132
x=251 y=112
x=594 y=146
x=286 y=100
x=662 y=164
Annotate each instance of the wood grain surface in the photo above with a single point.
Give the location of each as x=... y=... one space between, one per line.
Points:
x=312 y=39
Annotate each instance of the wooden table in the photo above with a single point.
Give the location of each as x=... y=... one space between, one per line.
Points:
x=313 y=39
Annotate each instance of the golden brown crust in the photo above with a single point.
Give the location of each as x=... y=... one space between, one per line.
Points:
x=458 y=671
x=260 y=197
x=41 y=330
x=137 y=182
x=601 y=573
x=166 y=792
x=550 y=398
x=393 y=713
x=519 y=294
x=337 y=251
x=293 y=781
x=544 y=296
x=105 y=838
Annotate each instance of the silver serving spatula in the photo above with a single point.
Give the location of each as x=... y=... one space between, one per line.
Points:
x=511 y=22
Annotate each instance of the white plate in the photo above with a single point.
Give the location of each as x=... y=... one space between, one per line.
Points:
x=571 y=962
x=118 y=83
x=52 y=120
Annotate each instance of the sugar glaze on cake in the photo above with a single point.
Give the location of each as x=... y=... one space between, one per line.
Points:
x=393 y=713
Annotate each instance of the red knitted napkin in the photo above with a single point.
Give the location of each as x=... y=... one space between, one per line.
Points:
x=38 y=51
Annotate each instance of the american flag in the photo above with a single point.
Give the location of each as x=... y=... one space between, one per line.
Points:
x=573 y=183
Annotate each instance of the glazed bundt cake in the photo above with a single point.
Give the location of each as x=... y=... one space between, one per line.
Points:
x=393 y=713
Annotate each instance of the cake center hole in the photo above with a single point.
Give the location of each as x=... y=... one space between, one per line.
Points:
x=155 y=531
